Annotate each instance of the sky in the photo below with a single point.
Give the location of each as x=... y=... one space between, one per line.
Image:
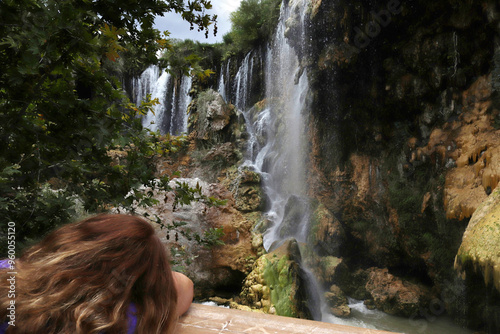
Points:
x=180 y=29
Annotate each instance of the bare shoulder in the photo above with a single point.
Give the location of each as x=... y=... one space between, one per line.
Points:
x=185 y=291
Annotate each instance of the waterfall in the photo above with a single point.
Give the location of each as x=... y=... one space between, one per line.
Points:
x=169 y=116
x=277 y=144
x=243 y=82
x=222 y=84
x=224 y=75
x=277 y=134
x=180 y=103
x=277 y=148
x=146 y=84
x=222 y=80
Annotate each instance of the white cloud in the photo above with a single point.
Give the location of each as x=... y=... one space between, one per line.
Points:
x=226 y=6
x=180 y=29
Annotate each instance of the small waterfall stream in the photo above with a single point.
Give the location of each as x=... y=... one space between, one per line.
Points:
x=224 y=75
x=170 y=114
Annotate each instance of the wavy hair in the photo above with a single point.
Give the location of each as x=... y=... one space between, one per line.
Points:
x=82 y=277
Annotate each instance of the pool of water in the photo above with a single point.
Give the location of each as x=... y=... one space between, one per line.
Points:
x=374 y=319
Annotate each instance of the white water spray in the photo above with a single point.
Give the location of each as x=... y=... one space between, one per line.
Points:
x=169 y=116
x=278 y=137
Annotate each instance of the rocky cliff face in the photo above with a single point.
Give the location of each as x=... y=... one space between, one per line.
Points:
x=404 y=136
x=404 y=141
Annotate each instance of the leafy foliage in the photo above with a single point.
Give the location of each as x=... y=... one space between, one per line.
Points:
x=252 y=23
x=189 y=58
x=63 y=112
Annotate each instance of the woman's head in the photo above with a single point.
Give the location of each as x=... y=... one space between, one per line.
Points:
x=82 y=277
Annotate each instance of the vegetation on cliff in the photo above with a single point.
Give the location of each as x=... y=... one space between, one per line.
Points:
x=253 y=23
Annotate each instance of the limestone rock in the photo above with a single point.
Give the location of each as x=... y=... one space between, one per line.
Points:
x=394 y=295
x=223 y=154
x=342 y=311
x=337 y=301
x=245 y=184
x=480 y=248
x=326 y=234
x=210 y=118
x=470 y=143
x=276 y=284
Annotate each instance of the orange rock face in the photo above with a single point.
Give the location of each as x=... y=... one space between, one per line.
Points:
x=394 y=295
x=477 y=155
x=469 y=144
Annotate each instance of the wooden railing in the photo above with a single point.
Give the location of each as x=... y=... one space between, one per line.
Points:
x=203 y=319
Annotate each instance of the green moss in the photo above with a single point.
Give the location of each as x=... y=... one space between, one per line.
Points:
x=279 y=278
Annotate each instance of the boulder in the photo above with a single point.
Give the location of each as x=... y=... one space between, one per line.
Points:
x=326 y=234
x=337 y=301
x=212 y=121
x=480 y=248
x=245 y=184
x=394 y=295
x=296 y=214
x=277 y=283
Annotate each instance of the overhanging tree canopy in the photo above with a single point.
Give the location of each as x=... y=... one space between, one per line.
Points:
x=62 y=110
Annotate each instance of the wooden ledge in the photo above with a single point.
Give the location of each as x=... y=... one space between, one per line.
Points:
x=202 y=319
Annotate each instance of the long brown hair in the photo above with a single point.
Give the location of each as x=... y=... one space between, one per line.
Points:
x=82 y=278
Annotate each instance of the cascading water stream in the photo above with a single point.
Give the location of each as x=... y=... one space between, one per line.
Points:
x=180 y=103
x=277 y=138
x=242 y=80
x=169 y=115
x=222 y=80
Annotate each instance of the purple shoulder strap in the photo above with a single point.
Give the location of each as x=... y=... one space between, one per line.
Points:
x=132 y=318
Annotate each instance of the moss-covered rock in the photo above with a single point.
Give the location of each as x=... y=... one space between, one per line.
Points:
x=480 y=248
x=276 y=284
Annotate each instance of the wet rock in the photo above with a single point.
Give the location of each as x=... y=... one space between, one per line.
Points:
x=354 y=284
x=478 y=264
x=480 y=248
x=276 y=284
x=329 y=269
x=395 y=295
x=245 y=184
x=296 y=215
x=337 y=302
x=326 y=234
x=249 y=198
